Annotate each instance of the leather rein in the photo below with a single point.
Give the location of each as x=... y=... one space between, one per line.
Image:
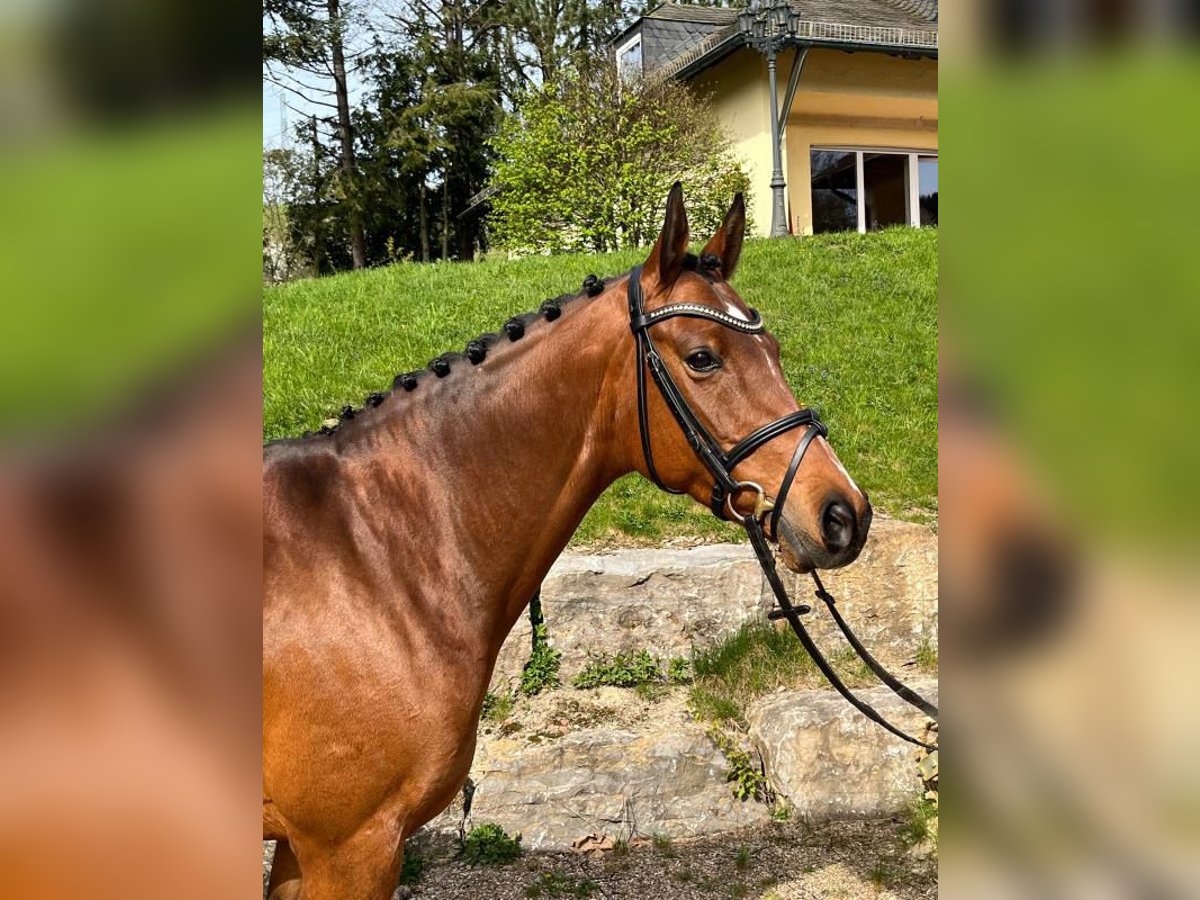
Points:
x=726 y=488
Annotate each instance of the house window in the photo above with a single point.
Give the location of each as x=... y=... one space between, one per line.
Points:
x=629 y=58
x=834 y=191
x=927 y=196
x=866 y=190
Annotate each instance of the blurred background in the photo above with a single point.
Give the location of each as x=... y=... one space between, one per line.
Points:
x=130 y=423
x=1070 y=324
x=130 y=415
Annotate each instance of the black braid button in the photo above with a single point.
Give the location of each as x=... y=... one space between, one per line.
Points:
x=551 y=310
x=515 y=329
x=440 y=367
x=593 y=285
x=476 y=352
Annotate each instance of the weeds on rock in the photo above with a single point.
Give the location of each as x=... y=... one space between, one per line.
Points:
x=663 y=844
x=497 y=707
x=490 y=845
x=624 y=669
x=541 y=671
x=927 y=657
x=922 y=825
x=744 y=776
x=679 y=670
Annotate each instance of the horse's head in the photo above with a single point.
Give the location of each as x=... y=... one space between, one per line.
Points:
x=730 y=377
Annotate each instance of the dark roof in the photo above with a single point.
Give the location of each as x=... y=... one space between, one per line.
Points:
x=689 y=12
x=913 y=14
x=887 y=25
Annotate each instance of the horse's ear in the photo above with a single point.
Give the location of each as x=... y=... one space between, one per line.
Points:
x=726 y=244
x=666 y=259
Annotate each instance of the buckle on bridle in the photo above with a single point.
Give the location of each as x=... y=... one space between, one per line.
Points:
x=762 y=504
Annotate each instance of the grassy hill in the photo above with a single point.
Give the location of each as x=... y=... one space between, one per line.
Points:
x=856 y=316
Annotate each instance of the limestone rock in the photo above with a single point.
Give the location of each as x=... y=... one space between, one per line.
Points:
x=647 y=769
x=829 y=761
x=888 y=596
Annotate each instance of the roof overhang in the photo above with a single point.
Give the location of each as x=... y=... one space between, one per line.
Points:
x=853 y=39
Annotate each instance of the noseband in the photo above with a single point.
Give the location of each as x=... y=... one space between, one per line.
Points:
x=720 y=465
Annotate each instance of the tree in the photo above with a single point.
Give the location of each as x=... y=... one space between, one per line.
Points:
x=585 y=162
x=443 y=134
x=307 y=41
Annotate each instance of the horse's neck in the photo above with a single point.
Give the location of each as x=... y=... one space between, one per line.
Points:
x=501 y=461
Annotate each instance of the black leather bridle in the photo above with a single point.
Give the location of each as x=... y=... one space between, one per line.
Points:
x=726 y=488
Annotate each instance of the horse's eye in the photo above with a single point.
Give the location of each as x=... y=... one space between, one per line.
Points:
x=703 y=361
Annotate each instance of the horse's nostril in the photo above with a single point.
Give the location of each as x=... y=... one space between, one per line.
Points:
x=837 y=526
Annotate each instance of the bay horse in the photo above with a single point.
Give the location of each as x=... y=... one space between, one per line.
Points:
x=400 y=547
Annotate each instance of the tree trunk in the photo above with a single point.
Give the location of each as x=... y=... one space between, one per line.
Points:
x=445 y=216
x=424 y=217
x=358 y=241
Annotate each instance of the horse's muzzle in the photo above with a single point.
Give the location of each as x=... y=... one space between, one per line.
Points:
x=841 y=535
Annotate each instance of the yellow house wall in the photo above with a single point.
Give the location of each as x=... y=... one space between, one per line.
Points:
x=854 y=100
x=738 y=90
x=857 y=101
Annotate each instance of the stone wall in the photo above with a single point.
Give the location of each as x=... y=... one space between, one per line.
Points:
x=669 y=601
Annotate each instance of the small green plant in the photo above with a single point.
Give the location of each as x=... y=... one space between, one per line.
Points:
x=781 y=810
x=559 y=884
x=743 y=858
x=679 y=670
x=541 y=671
x=620 y=847
x=651 y=691
x=663 y=844
x=713 y=706
x=745 y=778
x=497 y=707
x=490 y=845
x=921 y=824
x=625 y=669
x=414 y=865
x=881 y=875
x=927 y=656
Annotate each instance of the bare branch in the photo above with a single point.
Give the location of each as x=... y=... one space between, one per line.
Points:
x=299 y=93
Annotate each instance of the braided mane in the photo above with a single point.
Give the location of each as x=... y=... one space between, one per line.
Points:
x=476 y=350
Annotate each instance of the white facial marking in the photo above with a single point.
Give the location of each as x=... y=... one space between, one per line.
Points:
x=838 y=463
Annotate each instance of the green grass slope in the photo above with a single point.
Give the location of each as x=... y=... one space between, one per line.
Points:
x=856 y=316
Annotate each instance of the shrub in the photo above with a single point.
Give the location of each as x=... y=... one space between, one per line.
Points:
x=585 y=163
x=490 y=845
